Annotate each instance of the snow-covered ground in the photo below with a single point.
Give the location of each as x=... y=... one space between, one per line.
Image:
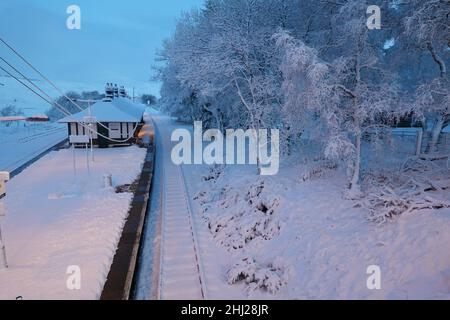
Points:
x=292 y=234
x=296 y=236
x=55 y=220
x=315 y=245
x=21 y=142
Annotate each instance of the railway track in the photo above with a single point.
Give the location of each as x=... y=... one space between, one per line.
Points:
x=40 y=135
x=181 y=274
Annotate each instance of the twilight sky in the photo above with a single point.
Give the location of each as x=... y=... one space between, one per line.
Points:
x=117 y=41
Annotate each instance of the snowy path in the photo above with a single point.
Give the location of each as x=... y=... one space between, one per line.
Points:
x=181 y=273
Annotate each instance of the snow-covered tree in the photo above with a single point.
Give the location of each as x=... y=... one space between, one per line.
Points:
x=349 y=95
x=180 y=74
x=10 y=111
x=224 y=56
x=148 y=99
x=54 y=113
x=227 y=49
x=428 y=26
x=222 y=66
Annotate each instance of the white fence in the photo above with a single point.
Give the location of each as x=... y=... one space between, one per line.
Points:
x=408 y=138
x=392 y=150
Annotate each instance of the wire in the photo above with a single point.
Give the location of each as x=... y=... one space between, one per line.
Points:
x=63 y=110
x=31 y=82
x=62 y=93
x=37 y=71
x=40 y=73
x=24 y=84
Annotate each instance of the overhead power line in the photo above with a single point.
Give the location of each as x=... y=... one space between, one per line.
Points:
x=8 y=76
x=26 y=78
x=25 y=85
x=64 y=111
x=67 y=113
x=46 y=79
x=52 y=102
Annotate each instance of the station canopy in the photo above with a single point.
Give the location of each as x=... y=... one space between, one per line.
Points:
x=118 y=110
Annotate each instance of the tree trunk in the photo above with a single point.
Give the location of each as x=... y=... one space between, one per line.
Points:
x=419 y=142
x=440 y=123
x=436 y=133
x=191 y=109
x=354 y=184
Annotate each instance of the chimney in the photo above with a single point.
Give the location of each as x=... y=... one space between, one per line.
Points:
x=116 y=91
x=122 y=92
x=109 y=92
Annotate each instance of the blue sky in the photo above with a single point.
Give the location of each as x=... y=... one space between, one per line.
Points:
x=117 y=41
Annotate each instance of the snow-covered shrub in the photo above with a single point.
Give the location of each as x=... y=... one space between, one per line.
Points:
x=319 y=167
x=420 y=185
x=268 y=278
x=207 y=199
x=214 y=173
x=238 y=218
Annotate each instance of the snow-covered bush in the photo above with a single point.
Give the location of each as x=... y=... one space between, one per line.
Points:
x=238 y=218
x=214 y=173
x=268 y=278
x=420 y=185
x=316 y=168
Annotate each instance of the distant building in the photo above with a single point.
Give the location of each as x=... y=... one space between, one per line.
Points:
x=115 y=121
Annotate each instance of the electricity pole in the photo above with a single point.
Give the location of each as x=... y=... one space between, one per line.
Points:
x=91 y=124
x=90 y=121
x=4 y=177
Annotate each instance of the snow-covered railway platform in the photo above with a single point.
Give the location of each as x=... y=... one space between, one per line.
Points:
x=61 y=230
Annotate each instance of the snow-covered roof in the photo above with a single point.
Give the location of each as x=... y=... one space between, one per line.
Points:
x=118 y=110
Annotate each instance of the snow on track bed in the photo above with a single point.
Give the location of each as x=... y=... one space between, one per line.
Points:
x=42 y=134
x=18 y=145
x=181 y=273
